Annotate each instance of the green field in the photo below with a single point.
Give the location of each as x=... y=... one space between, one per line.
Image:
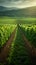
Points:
x=21 y=52
x=10 y=20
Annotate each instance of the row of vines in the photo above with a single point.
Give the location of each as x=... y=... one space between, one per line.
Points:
x=30 y=33
x=5 y=33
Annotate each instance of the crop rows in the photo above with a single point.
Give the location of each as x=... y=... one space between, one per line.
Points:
x=30 y=33
x=5 y=32
x=18 y=53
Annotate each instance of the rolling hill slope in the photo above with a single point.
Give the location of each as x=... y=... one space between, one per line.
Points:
x=25 y=12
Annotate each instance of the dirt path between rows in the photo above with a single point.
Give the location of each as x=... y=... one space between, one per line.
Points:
x=31 y=50
x=6 y=48
x=29 y=47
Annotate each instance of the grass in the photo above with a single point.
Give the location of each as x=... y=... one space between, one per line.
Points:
x=7 y=20
x=11 y=20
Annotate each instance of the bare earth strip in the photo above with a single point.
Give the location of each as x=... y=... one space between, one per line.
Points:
x=30 y=48
x=5 y=50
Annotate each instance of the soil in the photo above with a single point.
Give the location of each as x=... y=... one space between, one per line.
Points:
x=30 y=48
x=6 y=48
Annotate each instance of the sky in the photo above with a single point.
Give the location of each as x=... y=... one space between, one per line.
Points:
x=18 y=3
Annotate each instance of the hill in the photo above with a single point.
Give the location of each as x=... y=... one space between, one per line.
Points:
x=25 y=12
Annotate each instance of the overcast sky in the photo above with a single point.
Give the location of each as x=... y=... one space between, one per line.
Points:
x=18 y=3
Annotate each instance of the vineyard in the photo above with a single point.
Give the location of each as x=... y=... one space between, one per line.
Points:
x=5 y=32
x=30 y=33
x=17 y=44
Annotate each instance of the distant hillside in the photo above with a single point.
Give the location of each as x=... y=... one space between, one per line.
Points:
x=26 y=12
x=2 y=8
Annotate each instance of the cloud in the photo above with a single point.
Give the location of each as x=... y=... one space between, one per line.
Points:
x=7 y=0
x=17 y=3
x=14 y=0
